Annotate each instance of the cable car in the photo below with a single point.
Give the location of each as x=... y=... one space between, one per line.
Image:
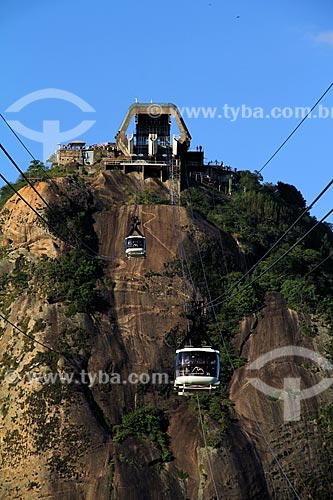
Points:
x=197 y=368
x=135 y=244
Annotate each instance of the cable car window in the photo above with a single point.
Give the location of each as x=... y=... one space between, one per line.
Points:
x=200 y=363
x=135 y=243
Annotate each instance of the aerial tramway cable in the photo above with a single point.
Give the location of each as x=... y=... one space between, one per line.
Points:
x=230 y=360
x=275 y=457
x=306 y=210
x=206 y=448
x=17 y=137
x=213 y=304
x=183 y=258
x=92 y=253
x=135 y=241
x=296 y=128
x=40 y=197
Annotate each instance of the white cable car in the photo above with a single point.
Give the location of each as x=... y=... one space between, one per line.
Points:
x=135 y=244
x=197 y=368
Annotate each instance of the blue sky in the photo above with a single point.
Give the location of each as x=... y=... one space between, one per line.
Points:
x=257 y=55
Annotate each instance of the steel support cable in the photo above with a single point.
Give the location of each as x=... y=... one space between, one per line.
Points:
x=195 y=239
x=205 y=277
x=38 y=194
x=187 y=289
x=42 y=344
x=23 y=175
x=72 y=362
x=273 y=264
x=137 y=193
x=65 y=355
x=296 y=128
x=1 y=315
x=180 y=250
x=275 y=457
x=46 y=222
x=79 y=241
x=17 y=137
x=318 y=265
x=104 y=258
x=183 y=253
x=220 y=240
x=45 y=173
x=183 y=261
x=15 y=327
x=261 y=431
x=30 y=336
x=188 y=267
x=206 y=447
x=34 y=210
x=306 y=210
x=49 y=225
x=269 y=160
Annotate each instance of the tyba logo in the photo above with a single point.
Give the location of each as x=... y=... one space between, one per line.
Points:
x=291 y=394
x=50 y=134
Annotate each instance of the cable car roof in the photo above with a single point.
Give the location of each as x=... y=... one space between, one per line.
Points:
x=197 y=349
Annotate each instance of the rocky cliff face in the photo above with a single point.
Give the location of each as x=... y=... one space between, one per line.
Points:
x=59 y=437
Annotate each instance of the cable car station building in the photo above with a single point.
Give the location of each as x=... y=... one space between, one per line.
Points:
x=151 y=151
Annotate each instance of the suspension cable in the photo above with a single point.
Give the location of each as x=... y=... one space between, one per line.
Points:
x=206 y=447
x=275 y=457
x=33 y=209
x=296 y=128
x=17 y=328
x=271 y=265
x=278 y=240
x=318 y=265
x=41 y=197
x=92 y=254
x=17 y=137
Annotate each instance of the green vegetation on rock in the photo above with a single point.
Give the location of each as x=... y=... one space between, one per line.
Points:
x=71 y=280
x=145 y=423
x=256 y=215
